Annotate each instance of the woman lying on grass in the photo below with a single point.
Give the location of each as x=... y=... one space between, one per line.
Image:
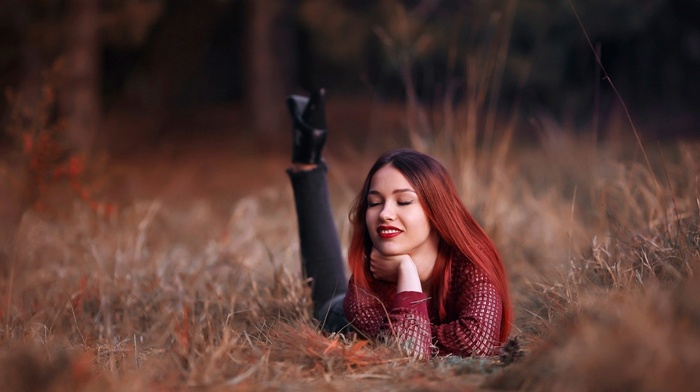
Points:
x=424 y=273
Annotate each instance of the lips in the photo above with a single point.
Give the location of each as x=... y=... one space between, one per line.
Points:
x=386 y=232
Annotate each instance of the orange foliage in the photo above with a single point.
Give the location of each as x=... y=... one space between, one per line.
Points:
x=47 y=159
x=182 y=330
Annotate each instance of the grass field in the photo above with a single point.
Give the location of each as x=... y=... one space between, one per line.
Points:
x=190 y=279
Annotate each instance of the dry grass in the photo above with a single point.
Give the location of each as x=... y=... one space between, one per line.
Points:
x=127 y=303
x=156 y=296
x=182 y=289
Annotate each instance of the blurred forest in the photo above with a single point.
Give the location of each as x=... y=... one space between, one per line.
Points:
x=147 y=227
x=116 y=63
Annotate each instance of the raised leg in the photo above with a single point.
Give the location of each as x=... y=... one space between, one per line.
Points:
x=321 y=255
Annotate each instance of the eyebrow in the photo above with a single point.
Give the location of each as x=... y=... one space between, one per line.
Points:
x=402 y=190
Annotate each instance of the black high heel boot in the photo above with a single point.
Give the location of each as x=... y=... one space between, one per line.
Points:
x=308 y=127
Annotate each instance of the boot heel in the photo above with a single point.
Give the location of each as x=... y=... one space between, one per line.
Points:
x=308 y=127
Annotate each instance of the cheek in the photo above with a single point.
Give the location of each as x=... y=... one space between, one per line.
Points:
x=420 y=222
x=370 y=223
x=369 y=218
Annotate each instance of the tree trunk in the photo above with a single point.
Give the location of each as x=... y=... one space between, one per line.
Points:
x=170 y=58
x=80 y=98
x=269 y=62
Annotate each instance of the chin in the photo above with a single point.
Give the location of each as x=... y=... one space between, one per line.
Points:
x=390 y=251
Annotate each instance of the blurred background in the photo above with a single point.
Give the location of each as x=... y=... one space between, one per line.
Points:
x=127 y=73
x=143 y=147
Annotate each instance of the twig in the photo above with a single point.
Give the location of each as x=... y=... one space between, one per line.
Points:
x=673 y=199
x=571 y=225
x=77 y=327
x=136 y=352
x=617 y=93
x=239 y=378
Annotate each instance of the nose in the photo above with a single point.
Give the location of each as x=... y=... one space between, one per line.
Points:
x=387 y=213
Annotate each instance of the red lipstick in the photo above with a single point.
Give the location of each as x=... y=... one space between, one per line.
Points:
x=386 y=232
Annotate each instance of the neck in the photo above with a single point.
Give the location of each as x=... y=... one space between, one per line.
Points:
x=425 y=259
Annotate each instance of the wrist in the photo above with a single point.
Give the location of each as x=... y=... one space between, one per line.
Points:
x=406 y=265
x=408 y=279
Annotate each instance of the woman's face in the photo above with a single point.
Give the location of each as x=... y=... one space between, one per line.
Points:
x=396 y=221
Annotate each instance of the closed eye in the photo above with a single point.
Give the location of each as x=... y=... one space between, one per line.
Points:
x=404 y=203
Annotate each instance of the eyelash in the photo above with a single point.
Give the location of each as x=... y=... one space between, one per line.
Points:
x=401 y=203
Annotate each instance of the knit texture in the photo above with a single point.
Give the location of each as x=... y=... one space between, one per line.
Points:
x=410 y=319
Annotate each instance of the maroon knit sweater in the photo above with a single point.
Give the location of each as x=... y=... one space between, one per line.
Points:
x=471 y=327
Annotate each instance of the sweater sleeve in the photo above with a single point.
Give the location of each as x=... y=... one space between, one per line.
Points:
x=476 y=330
x=400 y=318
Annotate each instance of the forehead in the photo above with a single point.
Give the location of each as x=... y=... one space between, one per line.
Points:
x=389 y=178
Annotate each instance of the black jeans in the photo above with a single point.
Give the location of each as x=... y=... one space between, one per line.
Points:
x=321 y=255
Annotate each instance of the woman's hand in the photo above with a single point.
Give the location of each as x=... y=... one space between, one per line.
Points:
x=386 y=268
x=398 y=269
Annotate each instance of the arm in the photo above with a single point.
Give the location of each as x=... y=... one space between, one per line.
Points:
x=407 y=323
x=367 y=309
x=476 y=330
x=382 y=313
x=396 y=269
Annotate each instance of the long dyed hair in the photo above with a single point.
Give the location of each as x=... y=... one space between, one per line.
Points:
x=458 y=231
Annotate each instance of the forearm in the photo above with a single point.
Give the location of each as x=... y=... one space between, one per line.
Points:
x=404 y=321
x=409 y=325
x=408 y=279
x=476 y=332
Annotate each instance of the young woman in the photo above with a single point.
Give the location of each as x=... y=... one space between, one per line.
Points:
x=424 y=273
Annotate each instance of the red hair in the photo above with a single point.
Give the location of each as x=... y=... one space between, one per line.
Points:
x=458 y=231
